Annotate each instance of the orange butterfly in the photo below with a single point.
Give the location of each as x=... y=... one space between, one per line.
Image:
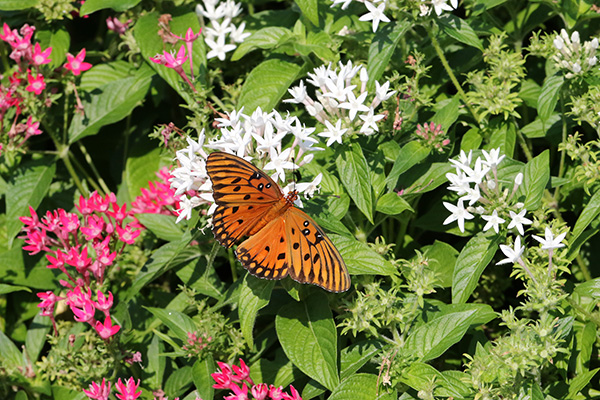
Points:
x=283 y=240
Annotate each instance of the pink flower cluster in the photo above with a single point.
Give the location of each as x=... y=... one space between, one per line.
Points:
x=230 y=376
x=170 y=60
x=196 y=343
x=159 y=198
x=126 y=391
x=433 y=136
x=29 y=58
x=89 y=243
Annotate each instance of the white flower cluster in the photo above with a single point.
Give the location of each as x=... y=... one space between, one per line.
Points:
x=220 y=15
x=572 y=56
x=256 y=138
x=375 y=8
x=486 y=190
x=439 y=6
x=339 y=101
x=492 y=197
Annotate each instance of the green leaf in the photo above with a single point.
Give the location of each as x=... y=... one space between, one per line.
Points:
x=201 y=371
x=549 y=96
x=471 y=262
x=586 y=339
x=360 y=258
x=411 y=154
x=265 y=38
x=536 y=176
x=360 y=387
x=163 y=226
x=308 y=336
x=254 y=294
x=15 y=5
x=433 y=338
x=103 y=74
x=448 y=114
x=10 y=356
x=179 y=323
x=578 y=383
x=110 y=103
x=382 y=48
x=543 y=128
x=179 y=380
x=91 y=6
x=353 y=171
x=392 y=204
x=590 y=288
x=36 y=336
x=156 y=362
x=310 y=9
x=164 y=258
x=420 y=375
x=140 y=168
x=441 y=259
x=266 y=85
x=530 y=92
x=353 y=357
x=460 y=30
x=4 y=288
x=59 y=40
x=28 y=187
x=588 y=215
x=504 y=137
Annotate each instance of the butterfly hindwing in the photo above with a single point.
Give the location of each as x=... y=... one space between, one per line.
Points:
x=230 y=223
x=266 y=254
x=236 y=181
x=313 y=257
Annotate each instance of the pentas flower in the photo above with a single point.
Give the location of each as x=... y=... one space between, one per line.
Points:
x=31 y=128
x=375 y=10
x=189 y=39
x=170 y=60
x=75 y=64
x=572 y=56
x=127 y=391
x=221 y=34
x=107 y=329
x=228 y=377
x=257 y=138
x=36 y=83
x=479 y=186
x=341 y=97
x=113 y=24
x=98 y=391
x=432 y=136
x=40 y=57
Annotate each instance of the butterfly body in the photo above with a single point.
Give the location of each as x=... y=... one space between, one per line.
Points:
x=282 y=239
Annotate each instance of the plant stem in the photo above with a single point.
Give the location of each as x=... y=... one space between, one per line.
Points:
x=90 y=163
x=63 y=153
x=444 y=61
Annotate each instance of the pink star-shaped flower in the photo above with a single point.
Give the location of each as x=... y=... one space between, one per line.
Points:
x=76 y=64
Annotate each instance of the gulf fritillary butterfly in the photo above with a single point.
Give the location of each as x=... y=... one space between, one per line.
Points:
x=283 y=240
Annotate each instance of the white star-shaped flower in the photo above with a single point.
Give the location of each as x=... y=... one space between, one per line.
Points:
x=334 y=133
x=355 y=104
x=493 y=158
x=512 y=255
x=518 y=220
x=370 y=122
x=459 y=214
x=375 y=14
x=493 y=221
x=549 y=241
x=218 y=48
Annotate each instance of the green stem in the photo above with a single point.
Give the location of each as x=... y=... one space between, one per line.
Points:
x=90 y=163
x=524 y=145
x=444 y=61
x=563 y=154
x=63 y=153
x=88 y=179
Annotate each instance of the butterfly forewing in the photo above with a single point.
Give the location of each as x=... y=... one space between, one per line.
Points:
x=243 y=193
x=313 y=257
x=236 y=181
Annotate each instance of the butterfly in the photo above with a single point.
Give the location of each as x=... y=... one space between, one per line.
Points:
x=282 y=239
